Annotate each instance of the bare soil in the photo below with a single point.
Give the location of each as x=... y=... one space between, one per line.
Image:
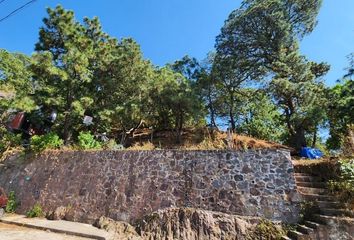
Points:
x=13 y=232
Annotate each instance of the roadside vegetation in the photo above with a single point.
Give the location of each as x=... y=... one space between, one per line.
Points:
x=338 y=172
x=35 y=211
x=343 y=186
x=11 y=203
x=256 y=82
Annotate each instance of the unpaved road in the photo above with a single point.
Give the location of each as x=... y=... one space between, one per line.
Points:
x=13 y=232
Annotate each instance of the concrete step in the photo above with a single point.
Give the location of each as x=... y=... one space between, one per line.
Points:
x=312 y=225
x=308 y=179
x=329 y=204
x=312 y=184
x=285 y=238
x=304 y=229
x=309 y=190
x=293 y=234
x=302 y=174
x=337 y=212
x=325 y=219
x=317 y=197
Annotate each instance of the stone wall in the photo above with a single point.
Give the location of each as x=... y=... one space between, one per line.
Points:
x=126 y=185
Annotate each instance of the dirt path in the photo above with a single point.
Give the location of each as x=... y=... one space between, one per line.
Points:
x=13 y=232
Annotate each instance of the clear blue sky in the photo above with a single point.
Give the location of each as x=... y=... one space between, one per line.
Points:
x=169 y=29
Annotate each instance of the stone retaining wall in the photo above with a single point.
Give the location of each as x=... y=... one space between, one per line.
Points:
x=126 y=185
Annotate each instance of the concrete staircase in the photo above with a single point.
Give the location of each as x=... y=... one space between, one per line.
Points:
x=327 y=211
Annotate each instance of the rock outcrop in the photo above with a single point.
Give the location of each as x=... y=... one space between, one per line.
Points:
x=194 y=224
x=117 y=229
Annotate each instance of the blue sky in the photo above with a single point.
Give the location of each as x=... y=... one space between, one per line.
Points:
x=169 y=29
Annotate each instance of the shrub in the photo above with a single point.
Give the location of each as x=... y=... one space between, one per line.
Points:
x=11 y=203
x=344 y=186
x=344 y=190
x=347 y=169
x=142 y=146
x=8 y=140
x=265 y=229
x=325 y=168
x=87 y=141
x=36 y=211
x=112 y=145
x=308 y=209
x=48 y=141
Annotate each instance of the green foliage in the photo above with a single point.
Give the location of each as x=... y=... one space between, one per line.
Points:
x=87 y=141
x=341 y=114
x=265 y=229
x=78 y=67
x=15 y=82
x=174 y=103
x=299 y=92
x=61 y=67
x=258 y=117
x=344 y=186
x=47 y=141
x=11 y=203
x=36 y=211
x=208 y=89
x=257 y=79
x=260 y=29
x=112 y=145
x=343 y=189
x=260 y=40
x=8 y=140
x=347 y=169
x=307 y=209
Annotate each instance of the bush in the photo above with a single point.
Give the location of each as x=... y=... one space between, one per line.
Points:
x=347 y=169
x=48 y=141
x=265 y=229
x=8 y=140
x=36 y=211
x=344 y=186
x=344 y=190
x=87 y=141
x=308 y=209
x=112 y=145
x=325 y=168
x=142 y=146
x=11 y=203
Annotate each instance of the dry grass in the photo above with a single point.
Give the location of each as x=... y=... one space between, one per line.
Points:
x=196 y=139
x=142 y=146
x=327 y=168
x=309 y=162
x=8 y=153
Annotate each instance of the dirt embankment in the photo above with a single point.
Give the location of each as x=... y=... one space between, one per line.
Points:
x=197 y=139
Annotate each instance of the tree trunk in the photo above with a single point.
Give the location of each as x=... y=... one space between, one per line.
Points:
x=232 y=121
x=314 y=138
x=179 y=127
x=212 y=112
x=212 y=118
x=67 y=121
x=348 y=146
x=231 y=113
x=66 y=131
x=67 y=125
x=298 y=140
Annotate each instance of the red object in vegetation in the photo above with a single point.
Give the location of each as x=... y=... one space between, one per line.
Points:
x=3 y=198
x=18 y=120
x=3 y=201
